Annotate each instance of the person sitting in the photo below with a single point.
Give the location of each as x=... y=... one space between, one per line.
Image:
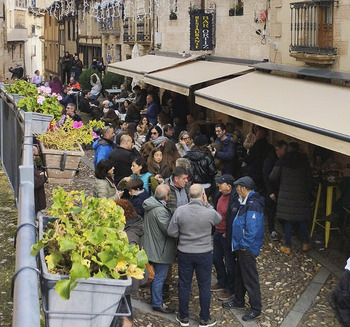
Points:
x=37 y=79
x=56 y=85
x=69 y=112
x=17 y=73
x=152 y=109
x=138 y=194
x=74 y=85
x=124 y=92
x=110 y=118
x=140 y=97
x=104 y=145
x=66 y=98
x=96 y=86
x=104 y=186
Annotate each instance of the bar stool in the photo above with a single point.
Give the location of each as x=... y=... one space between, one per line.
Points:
x=325 y=223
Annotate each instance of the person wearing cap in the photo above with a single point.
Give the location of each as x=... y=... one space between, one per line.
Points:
x=247 y=238
x=223 y=257
x=203 y=168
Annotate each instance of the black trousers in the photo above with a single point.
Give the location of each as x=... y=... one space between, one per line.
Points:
x=247 y=279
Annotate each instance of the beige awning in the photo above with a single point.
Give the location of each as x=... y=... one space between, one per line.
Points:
x=181 y=77
x=314 y=112
x=138 y=67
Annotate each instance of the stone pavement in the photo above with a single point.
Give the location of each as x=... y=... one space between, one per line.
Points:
x=295 y=289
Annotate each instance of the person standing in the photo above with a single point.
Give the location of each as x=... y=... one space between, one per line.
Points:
x=160 y=248
x=223 y=257
x=17 y=73
x=152 y=109
x=192 y=224
x=66 y=67
x=104 y=145
x=293 y=175
x=247 y=238
x=271 y=190
x=122 y=157
x=178 y=188
x=227 y=154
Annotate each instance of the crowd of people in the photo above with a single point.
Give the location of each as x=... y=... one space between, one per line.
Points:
x=201 y=201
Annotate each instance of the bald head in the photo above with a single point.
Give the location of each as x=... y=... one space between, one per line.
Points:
x=162 y=192
x=126 y=142
x=196 y=192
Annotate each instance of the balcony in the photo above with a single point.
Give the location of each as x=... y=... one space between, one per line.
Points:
x=137 y=31
x=110 y=27
x=312 y=32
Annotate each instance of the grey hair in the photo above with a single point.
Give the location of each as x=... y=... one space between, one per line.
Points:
x=105 y=130
x=72 y=105
x=196 y=191
x=184 y=163
x=161 y=192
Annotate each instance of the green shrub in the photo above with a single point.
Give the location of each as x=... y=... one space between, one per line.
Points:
x=111 y=79
x=84 y=79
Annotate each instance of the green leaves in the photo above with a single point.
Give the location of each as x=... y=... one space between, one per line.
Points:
x=88 y=240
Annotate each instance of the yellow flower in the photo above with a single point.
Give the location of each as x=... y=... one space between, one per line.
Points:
x=121 y=266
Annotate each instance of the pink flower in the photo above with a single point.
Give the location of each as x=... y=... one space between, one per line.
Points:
x=41 y=89
x=40 y=99
x=47 y=90
x=59 y=98
x=77 y=124
x=54 y=94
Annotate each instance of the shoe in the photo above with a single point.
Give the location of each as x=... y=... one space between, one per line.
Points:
x=285 y=249
x=251 y=315
x=233 y=304
x=208 y=323
x=182 y=321
x=306 y=247
x=225 y=296
x=163 y=309
x=217 y=288
x=274 y=236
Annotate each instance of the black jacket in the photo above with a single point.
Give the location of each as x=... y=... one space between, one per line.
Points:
x=293 y=174
x=203 y=168
x=255 y=161
x=269 y=163
x=122 y=159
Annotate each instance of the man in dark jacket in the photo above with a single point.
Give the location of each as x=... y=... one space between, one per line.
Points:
x=140 y=97
x=152 y=110
x=227 y=154
x=247 y=238
x=255 y=159
x=122 y=158
x=271 y=190
x=223 y=257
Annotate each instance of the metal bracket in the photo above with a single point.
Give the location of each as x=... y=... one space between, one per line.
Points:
x=19 y=227
x=16 y=274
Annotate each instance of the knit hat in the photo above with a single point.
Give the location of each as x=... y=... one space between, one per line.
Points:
x=225 y=178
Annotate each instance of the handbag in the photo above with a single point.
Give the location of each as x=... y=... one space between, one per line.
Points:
x=150 y=270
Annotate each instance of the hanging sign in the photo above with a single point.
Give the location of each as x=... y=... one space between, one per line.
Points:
x=201 y=31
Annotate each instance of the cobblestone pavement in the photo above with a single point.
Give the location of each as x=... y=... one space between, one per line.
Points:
x=283 y=280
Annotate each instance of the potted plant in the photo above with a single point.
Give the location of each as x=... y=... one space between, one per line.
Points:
x=173 y=15
x=61 y=148
x=22 y=88
x=86 y=259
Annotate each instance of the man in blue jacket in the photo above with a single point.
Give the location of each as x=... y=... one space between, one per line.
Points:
x=104 y=145
x=227 y=154
x=247 y=238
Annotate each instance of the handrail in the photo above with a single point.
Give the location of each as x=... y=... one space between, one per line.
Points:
x=26 y=308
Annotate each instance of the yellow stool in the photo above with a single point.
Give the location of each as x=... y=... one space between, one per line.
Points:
x=326 y=224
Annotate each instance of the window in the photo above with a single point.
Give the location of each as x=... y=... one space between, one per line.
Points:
x=312 y=27
x=68 y=30
x=21 y=3
x=73 y=35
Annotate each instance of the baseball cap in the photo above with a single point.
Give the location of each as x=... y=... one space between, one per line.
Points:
x=246 y=182
x=226 y=178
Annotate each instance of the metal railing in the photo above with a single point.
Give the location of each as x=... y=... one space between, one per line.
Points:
x=16 y=150
x=312 y=27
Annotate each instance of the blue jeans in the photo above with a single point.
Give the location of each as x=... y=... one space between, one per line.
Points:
x=304 y=231
x=160 y=273
x=201 y=263
x=94 y=96
x=225 y=271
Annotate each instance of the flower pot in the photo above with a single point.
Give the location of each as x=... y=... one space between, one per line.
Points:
x=40 y=122
x=93 y=303
x=61 y=165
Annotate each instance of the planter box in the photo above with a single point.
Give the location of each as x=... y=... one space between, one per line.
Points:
x=61 y=165
x=93 y=303
x=40 y=122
